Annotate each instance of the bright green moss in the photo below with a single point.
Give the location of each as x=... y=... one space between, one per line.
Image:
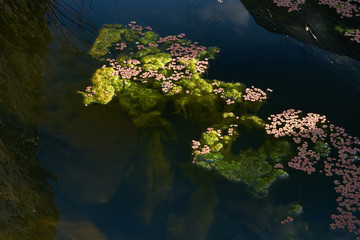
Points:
x=102 y=90
x=252 y=168
x=141 y=99
x=188 y=84
x=228 y=115
x=209 y=160
x=199 y=86
x=148 y=51
x=233 y=94
x=295 y=209
x=210 y=138
x=156 y=61
x=119 y=26
x=229 y=87
x=250 y=122
x=149 y=37
x=216 y=147
x=175 y=90
x=123 y=58
x=204 y=86
x=130 y=35
x=104 y=40
x=343 y=29
x=192 y=65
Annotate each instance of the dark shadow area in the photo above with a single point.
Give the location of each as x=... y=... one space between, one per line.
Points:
x=314 y=24
x=26 y=198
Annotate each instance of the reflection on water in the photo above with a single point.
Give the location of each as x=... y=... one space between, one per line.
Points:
x=198 y=217
x=313 y=24
x=26 y=199
x=232 y=11
x=78 y=230
x=90 y=147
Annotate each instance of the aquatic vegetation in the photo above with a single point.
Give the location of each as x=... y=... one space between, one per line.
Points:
x=290 y=4
x=344 y=9
x=146 y=84
x=317 y=139
x=354 y=35
x=105 y=37
x=152 y=77
x=256 y=168
x=148 y=73
x=295 y=209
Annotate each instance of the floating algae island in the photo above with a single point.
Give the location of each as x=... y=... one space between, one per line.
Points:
x=153 y=77
x=149 y=75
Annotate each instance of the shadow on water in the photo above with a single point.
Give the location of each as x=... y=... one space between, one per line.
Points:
x=26 y=198
x=313 y=24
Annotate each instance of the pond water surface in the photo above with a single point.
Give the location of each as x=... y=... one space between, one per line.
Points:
x=111 y=186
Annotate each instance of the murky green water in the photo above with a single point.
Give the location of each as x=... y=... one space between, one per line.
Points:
x=116 y=181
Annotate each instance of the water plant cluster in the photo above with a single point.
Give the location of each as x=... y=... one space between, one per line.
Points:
x=150 y=75
x=153 y=77
x=317 y=139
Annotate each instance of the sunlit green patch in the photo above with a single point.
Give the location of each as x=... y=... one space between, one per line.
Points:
x=106 y=37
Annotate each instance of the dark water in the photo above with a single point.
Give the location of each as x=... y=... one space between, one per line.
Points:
x=111 y=187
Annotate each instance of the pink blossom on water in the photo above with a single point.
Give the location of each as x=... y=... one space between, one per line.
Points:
x=355 y=36
x=205 y=150
x=120 y=46
x=195 y=144
x=229 y=101
x=292 y=5
x=279 y=165
x=347 y=8
x=254 y=94
x=288 y=219
x=306 y=132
